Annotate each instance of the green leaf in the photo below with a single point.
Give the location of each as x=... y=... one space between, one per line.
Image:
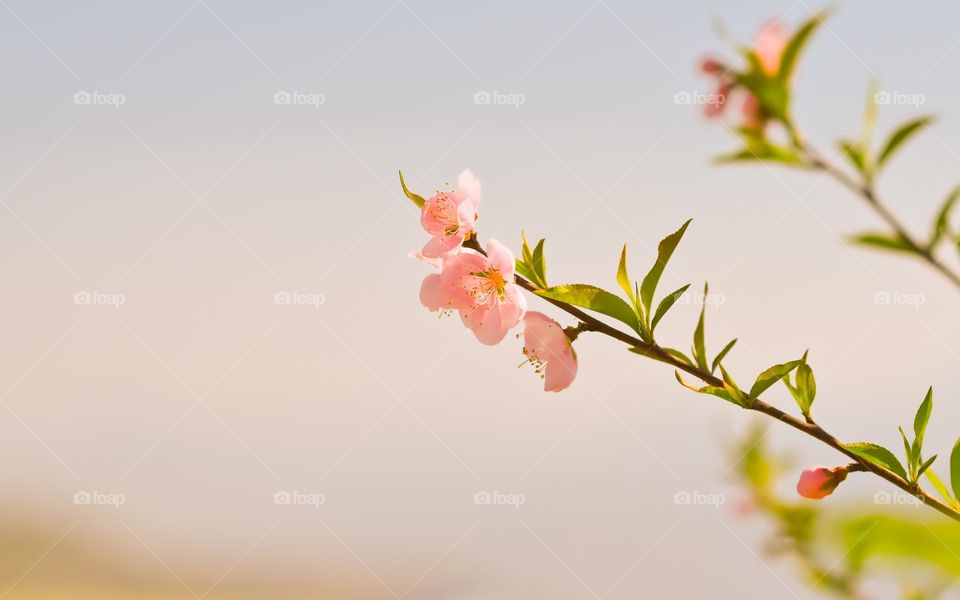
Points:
x=771 y=376
x=796 y=44
x=722 y=355
x=593 y=298
x=733 y=388
x=709 y=389
x=921 y=419
x=941 y=226
x=877 y=455
x=884 y=241
x=525 y=249
x=415 y=198
x=760 y=151
x=539 y=263
x=623 y=278
x=900 y=136
x=699 y=347
x=679 y=355
x=869 y=124
x=855 y=154
x=524 y=271
x=926 y=465
x=665 y=305
x=939 y=485
x=664 y=251
x=806 y=387
x=955 y=470
x=908 y=452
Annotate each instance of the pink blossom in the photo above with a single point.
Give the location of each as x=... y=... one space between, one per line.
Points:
x=549 y=349
x=819 y=482
x=481 y=288
x=769 y=45
x=449 y=216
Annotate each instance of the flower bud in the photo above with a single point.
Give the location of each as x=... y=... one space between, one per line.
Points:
x=819 y=482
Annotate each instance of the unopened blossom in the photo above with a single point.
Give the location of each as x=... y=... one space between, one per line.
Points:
x=449 y=216
x=819 y=482
x=547 y=347
x=481 y=288
x=770 y=44
x=768 y=47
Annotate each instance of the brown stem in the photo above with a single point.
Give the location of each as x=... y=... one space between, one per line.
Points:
x=866 y=191
x=809 y=427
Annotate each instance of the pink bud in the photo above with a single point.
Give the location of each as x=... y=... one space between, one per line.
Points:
x=712 y=66
x=819 y=482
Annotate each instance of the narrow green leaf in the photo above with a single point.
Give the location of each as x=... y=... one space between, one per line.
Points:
x=926 y=465
x=854 y=154
x=796 y=44
x=524 y=271
x=908 y=451
x=539 y=263
x=955 y=470
x=922 y=418
x=941 y=225
x=939 y=485
x=806 y=387
x=679 y=355
x=709 y=389
x=664 y=251
x=884 y=241
x=900 y=136
x=771 y=376
x=723 y=353
x=593 y=298
x=869 y=124
x=525 y=249
x=764 y=152
x=877 y=455
x=623 y=278
x=665 y=305
x=733 y=388
x=415 y=198
x=699 y=346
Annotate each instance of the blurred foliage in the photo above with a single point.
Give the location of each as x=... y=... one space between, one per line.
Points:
x=838 y=547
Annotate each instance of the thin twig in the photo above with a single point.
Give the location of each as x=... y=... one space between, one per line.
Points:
x=811 y=428
x=866 y=191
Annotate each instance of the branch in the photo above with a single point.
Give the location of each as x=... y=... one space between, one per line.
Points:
x=865 y=190
x=809 y=427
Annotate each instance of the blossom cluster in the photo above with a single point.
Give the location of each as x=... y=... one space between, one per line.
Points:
x=482 y=287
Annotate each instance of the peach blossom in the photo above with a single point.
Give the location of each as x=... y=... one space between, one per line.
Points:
x=449 y=216
x=481 y=288
x=819 y=482
x=549 y=349
x=769 y=45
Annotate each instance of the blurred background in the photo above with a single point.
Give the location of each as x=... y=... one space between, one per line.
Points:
x=217 y=380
